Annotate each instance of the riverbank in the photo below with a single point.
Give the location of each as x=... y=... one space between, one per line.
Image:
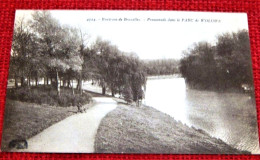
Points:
x=24 y=120
x=129 y=129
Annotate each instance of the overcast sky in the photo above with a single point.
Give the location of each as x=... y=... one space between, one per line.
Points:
x=151 y=39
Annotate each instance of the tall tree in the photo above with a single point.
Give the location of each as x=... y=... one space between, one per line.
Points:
x=57 y=45
x=102 y=49
x=82 y=51
x=23 y=50
x=226 y=64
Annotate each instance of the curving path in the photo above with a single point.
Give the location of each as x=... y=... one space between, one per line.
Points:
x=73 y=134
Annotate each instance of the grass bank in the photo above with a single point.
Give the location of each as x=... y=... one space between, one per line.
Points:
x=24 y=120
x=147 y=130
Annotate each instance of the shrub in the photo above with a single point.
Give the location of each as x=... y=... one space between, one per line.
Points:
x=48 y=95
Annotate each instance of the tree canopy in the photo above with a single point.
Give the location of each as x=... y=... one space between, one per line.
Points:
x=225 y=64
x=43 y=48
x=162 y=66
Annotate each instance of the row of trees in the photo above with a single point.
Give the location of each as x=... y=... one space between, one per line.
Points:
x=111 y=68
x=162 y=66
x=43 y=48
x=226 y=64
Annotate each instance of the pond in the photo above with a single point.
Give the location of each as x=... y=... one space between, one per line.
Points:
x=229 y=116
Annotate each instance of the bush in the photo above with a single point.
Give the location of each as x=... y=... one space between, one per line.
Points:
x=48 y=95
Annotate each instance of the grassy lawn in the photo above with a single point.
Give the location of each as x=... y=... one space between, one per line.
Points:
x=24 y=120
x=146 y=130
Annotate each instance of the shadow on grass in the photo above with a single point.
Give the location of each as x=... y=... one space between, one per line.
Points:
x=23 y=120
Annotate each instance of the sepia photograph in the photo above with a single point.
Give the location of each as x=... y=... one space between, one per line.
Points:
x=156 y=82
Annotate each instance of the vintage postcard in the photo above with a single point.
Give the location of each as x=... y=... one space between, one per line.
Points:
x=163 y=82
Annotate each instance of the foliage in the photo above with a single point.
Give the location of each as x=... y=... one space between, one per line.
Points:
x=24 y=59
x=58 y=45
x=47 y=50
x=116 y=70
x=226 y=64
x=162 y=66
x=47 y=95
x=127 y=94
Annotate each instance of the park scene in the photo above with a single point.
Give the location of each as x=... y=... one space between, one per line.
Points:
x=70 y=90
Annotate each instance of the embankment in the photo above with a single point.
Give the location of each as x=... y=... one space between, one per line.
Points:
x=129 y=129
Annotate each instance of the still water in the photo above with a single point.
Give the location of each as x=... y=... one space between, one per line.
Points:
x=228 y=116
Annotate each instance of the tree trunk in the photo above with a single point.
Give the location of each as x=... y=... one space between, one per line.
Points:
x=22 y=81
x=29 y=81
x=79 y=87
x=64 y=83
x=103 y=90
x=15 y=82
x=57 y=83
x=36 y=81
x=60 y=82
x=119 y=91
x=113 y=92
x=138 y=103
x=54 y=82
x=72 y=88
x=68 y=84
x=77 y=84
x=44 y=81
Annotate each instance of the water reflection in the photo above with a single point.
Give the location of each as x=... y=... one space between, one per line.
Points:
x=168 y=97
x=229 y=116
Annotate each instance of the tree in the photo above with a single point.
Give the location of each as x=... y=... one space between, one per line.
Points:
x=72 y=48
x=226 y=64
x=82 y=49
x=137 y=79
x=58 y=45
x=161 y=66
x=102 y=49
x=234 y=56
x=113 y=74
x=24 y=52
x=127 y=94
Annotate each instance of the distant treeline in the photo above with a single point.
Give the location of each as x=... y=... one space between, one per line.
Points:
x=44 y=49
x=223 y=65
x=161 y=66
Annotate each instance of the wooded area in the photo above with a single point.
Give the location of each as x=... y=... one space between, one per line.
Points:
x=162 y=66
x=43 y=48
x=223 y=65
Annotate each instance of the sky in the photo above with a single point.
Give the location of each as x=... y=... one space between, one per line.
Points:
x=150 y=34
